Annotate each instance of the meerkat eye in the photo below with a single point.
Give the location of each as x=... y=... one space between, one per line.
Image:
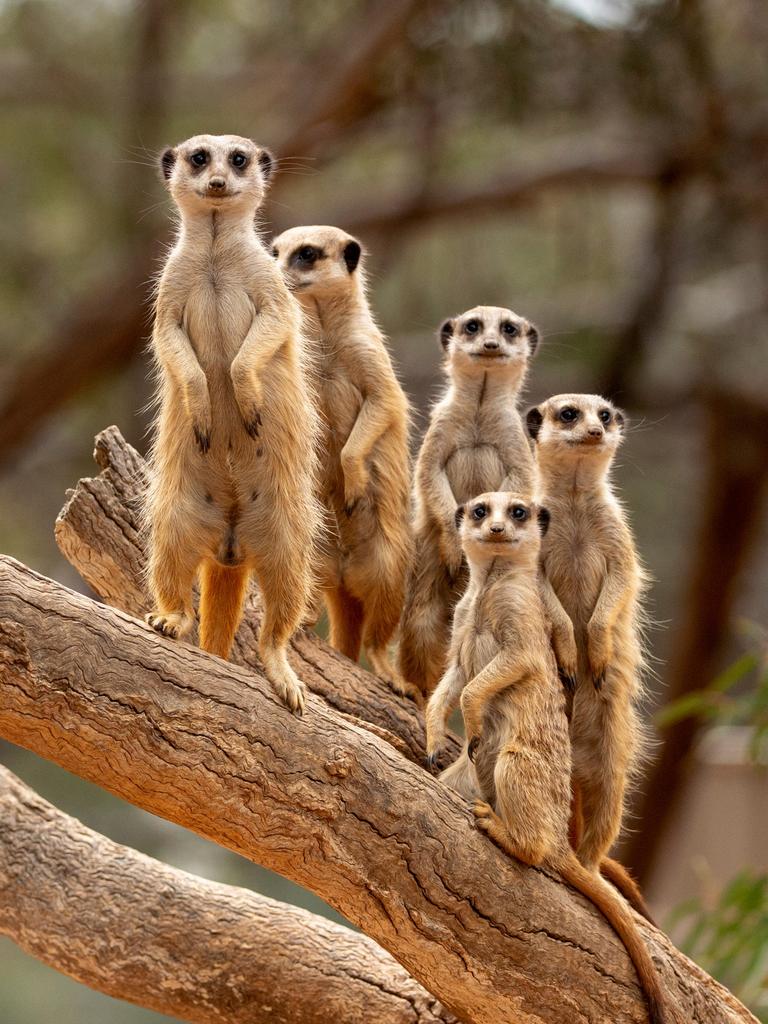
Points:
x=519 y=512
x=472 y=326
x=569 y=414
x=275 y=253
x=238 y=160
x=306 y=253
x=510 y=329
x=199 y=158
x=479 y=512
x=605 y=415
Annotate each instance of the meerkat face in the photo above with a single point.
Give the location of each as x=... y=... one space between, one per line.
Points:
x=501 y=525
x=576 y=426
x=488 y=337
x=210 y=172
x=318 y=261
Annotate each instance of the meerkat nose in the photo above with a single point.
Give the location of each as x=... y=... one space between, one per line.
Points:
x=497 y=529
x=217 y=184
x=490 y=345
x=595 y=431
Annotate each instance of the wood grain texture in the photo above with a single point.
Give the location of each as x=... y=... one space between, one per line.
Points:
x=324 y=802
x=133 y=928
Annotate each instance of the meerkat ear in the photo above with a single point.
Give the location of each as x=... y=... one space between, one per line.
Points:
x=533 y=420
x=621 y=419
x=267 y=163
x=458 y=516
x=534 y=338
x=543 y=517
x=446 y=333
x=167 y=160
x=352 y=253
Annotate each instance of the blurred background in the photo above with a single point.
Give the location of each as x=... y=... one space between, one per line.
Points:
x=601 y=166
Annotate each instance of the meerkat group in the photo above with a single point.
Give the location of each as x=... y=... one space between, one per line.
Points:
x=506 y=566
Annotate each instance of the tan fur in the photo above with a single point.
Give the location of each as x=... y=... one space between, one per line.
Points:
x=502 y=670
x=592 y=586
x=364 y=455
x=233 y=461
x=475 y=442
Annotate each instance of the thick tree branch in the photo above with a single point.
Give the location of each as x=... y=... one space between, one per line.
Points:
x=98 y=532
x=208 y=745
x=138 y=930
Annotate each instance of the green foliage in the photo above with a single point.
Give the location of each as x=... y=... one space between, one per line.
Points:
x=738 y=696
x=730 y=938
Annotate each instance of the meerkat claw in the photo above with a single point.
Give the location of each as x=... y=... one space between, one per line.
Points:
x=568 y=681
x=474 y=743
x=252 y=425
x=430 y=761
x=203 y=438
x=598 y=680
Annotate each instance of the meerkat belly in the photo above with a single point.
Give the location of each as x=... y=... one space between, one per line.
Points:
x=473 y=470
x=340 y=402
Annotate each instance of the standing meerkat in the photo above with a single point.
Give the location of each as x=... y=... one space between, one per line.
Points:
x=592 y=585
x=233 y=462
x=365 y=460
x=475 y=442
x=503 y=673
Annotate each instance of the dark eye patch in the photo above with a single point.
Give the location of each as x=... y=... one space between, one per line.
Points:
x=568 y=414
x=510 y=329
x=473 y=327
x=479 y=512
x=519 y=512
x=306 y=256
x=238 y=160
x=275 y=253
x=605 y=415
x=199 y=158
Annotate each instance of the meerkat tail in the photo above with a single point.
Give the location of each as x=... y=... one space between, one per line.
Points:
x=222 y=592
x=621 y=879
x=599 y=892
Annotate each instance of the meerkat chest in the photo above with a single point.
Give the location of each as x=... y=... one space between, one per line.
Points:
x=574 y=561
x=220 y=306
x=338 y=388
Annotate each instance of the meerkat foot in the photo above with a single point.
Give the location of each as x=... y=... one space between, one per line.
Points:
x=488 y=821
x=174 y=625
x=284 y=680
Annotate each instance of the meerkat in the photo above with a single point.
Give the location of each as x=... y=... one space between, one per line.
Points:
x=592 y=586
x=475 y=442
x=233 y=462
x=516 y=762
x=365 y=459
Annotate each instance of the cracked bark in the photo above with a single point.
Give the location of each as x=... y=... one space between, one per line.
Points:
x=139 y=930
x=324 y=802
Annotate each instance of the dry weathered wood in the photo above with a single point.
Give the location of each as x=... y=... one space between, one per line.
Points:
x=98 y=532
x=136 y=929
x=324 y=802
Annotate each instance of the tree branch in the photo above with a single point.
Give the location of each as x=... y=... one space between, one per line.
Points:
x=98 y=531
x=208 y=745
x=136 y=929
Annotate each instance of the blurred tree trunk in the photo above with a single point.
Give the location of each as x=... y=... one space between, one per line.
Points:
x=736 y=454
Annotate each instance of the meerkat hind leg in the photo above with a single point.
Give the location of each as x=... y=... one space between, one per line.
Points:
x=171 y=578
x=345 y=614
x=284 y=590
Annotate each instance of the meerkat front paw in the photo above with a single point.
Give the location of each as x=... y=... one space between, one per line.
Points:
x=198 y=404
x=356 y=479
x=472 y=744
x=599 y=653
x=248 y=396
x=450 y=550
x=174 y=625
x=566 y=656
